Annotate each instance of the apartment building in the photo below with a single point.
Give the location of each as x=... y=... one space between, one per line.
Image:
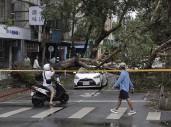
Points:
x=18 y=38
x=13 y=34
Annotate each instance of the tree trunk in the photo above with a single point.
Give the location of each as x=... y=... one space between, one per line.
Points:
x=72 y=62
x=87 y=38
x=72 y=35
x=43 y=46
x=105 y=33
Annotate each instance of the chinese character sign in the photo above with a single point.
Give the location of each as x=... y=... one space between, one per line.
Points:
x=35 y=17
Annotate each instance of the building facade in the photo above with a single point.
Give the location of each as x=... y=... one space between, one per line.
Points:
x=18 y=38
x=12 y=37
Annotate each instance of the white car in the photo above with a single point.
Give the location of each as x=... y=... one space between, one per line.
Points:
x=84 y=79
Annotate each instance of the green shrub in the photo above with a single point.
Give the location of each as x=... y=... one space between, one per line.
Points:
x=23 y=74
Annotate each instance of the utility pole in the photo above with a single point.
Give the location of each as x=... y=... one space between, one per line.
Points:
x=40 y=27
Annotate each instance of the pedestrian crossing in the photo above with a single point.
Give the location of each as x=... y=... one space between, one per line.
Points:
x=154 y=116
x=14 y=112
x=118 y=115
x=46 y=113
x=80 y=113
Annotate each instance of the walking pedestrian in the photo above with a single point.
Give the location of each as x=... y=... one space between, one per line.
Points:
x=125 y=85
x=27 y=62
x=36 y=63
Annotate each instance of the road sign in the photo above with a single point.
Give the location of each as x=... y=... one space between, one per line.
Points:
x=50 y=48
x=35 y=17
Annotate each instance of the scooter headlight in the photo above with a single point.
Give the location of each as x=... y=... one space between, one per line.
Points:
x=57 y=79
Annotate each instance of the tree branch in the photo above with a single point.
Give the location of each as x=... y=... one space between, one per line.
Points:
x=154 y=54
x=155 y=11
x=111 y=55
x=121 y=18
x=164 y=54
x=106 y=33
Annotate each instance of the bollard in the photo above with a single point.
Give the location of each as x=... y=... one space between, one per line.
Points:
x=161 y=91
x=164 y=103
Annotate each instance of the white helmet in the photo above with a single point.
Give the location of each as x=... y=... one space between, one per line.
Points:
x=46 y=67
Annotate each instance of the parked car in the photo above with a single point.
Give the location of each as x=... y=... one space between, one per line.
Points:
x=84 y=79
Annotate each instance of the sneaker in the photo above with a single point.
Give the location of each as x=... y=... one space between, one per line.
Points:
x=132 y=112
x=114 y=110
x=52 y=104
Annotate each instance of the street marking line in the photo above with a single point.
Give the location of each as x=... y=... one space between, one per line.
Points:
x=47 y=112
x=107 y=101
x=153 y=116
x=14 y=112
x=88 y=94
x=117 y=115
x=82 y=112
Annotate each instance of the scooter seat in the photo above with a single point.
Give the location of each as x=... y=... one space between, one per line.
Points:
x=44 y=87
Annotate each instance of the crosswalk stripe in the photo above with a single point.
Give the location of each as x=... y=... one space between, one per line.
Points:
x=117 y=115
x=14 y=112
x=153 y=116
x=82 y=112
x=47 y=112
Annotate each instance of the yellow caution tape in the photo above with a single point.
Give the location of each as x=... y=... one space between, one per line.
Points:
x=110 y=71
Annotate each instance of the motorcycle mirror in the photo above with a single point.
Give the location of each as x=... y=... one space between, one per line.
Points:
x=57 y=79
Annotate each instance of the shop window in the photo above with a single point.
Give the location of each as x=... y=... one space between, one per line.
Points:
x=18 y=8
x=2 y=50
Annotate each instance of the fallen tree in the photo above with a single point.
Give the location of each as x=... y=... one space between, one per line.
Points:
x=157 y=52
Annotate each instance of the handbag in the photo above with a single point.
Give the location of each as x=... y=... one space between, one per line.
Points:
x=48 y=81
x=131 y=90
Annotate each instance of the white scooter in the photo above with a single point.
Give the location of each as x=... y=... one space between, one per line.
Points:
x=41 y=94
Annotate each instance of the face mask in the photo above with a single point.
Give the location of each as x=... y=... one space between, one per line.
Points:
x=122 y=67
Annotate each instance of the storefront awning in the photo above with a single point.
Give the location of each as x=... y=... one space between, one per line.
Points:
x=14 y=32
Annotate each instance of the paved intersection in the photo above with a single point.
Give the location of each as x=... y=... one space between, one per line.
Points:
x=87 y=106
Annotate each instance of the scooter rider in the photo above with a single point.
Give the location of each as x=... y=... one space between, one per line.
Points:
x=47 y=74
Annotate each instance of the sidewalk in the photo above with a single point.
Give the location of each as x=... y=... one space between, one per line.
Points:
x=9 y=93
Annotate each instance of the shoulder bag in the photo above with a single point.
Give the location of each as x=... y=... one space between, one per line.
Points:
x=48 y=81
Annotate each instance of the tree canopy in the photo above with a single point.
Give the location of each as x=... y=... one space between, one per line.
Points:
x=138 y=41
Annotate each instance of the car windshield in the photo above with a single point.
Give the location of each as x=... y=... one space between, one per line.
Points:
x=81 y=70
x=85 y=70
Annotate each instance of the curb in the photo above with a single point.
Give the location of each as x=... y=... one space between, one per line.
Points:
x=13 y=92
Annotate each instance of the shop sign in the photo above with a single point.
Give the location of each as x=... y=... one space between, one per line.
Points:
x=32 y=47
x=35 y=17
x=15 y=32
x=57 y=36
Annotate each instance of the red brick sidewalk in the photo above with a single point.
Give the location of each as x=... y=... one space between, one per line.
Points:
x=12 y=91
